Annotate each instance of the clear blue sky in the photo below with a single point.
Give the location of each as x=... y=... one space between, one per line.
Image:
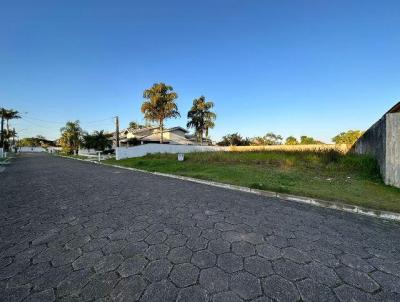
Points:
x=313 y=67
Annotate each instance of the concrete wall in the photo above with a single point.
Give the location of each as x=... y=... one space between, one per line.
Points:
x=382 y=141
x=31 y=149
x=392 y=175
x=142 y=150
x=373 y=143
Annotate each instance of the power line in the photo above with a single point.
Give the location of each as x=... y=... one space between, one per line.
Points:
x=63 y=122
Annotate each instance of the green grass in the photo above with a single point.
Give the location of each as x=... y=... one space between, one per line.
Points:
x=352 y=179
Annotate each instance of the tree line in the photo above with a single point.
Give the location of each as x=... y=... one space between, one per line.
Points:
x=235 y=139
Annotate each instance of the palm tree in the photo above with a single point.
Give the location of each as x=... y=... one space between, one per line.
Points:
x=11 y=114
x=160 y=105
x=7 y=115
x=71 y=135
x=201 y=118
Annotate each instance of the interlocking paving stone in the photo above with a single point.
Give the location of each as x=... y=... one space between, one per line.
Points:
x=163 y=291
x=258 y=266
x=386 y=266
x=322 y=274
x=97 y=233
x=183 y=275
x=157 y=251
x=387 y=281
x=214 y=280
x=204 y=259
x=246 y=285
x=346 y=293
x=108 y=263
x=243 y=248
x=357 y=263
x=313 y=291
x=129 y=289
x=157 y=270
x=132 y=266
x=230 y=262
x=192 y=294
x=357 y=279
x=227 y=297
x=268 y=251
x=44 y=296
x=99 y=286
x=219 y=246
x=280 y=289
x=180 y=255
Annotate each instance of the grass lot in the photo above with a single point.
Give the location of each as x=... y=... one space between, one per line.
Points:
x=330 y=175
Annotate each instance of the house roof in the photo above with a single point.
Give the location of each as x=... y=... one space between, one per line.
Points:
x=140 y=130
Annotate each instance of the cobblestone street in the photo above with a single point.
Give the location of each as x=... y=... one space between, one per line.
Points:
x=75 y=231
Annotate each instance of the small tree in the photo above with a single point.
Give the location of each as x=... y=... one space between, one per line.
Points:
x=348 y=138
x=308 y=140
x=160 y=105
x=291 y=140
x=71 y=135
x=234 y=139
x=134 y=125
x=98 y=141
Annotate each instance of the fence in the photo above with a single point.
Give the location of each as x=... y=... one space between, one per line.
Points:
x=142 y=150
x=31 y=149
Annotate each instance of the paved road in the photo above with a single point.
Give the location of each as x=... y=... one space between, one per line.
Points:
x=74 y=231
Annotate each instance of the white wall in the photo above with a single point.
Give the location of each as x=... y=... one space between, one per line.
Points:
x=142 y=150
x=31 y=149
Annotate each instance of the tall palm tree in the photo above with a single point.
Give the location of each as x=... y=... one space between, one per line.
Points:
x=10 y=114
x=160 y=105
x=71 y=135
x=201 y=118
x=7 y=115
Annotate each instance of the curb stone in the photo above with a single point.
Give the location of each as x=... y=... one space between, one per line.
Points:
x=284 y=197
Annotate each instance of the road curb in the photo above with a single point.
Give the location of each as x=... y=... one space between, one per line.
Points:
x=284 y=197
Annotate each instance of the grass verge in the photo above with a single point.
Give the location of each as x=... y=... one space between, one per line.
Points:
x=352 y=179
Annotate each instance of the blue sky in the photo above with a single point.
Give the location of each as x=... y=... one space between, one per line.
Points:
x=313 y=67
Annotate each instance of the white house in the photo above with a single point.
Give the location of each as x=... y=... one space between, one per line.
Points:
x=146 y=135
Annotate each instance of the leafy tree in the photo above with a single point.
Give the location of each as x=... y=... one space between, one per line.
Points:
x=291 y=140
x=234 y=139
x=38 y=141
x=98 y=141
x=134 y=125
x=308 y=140
x=348 y=138
x=160 y=105
x=71 y=136
x=268 y=139
x=201 y=118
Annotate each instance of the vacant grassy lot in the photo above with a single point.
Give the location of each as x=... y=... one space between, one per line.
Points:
x=329 y=175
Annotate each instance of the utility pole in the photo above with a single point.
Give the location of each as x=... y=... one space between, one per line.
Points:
x=117 y=130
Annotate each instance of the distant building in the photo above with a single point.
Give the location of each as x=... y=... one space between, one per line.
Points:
x=152 y=135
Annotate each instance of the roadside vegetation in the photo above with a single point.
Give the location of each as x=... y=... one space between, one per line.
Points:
x=329 y=175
